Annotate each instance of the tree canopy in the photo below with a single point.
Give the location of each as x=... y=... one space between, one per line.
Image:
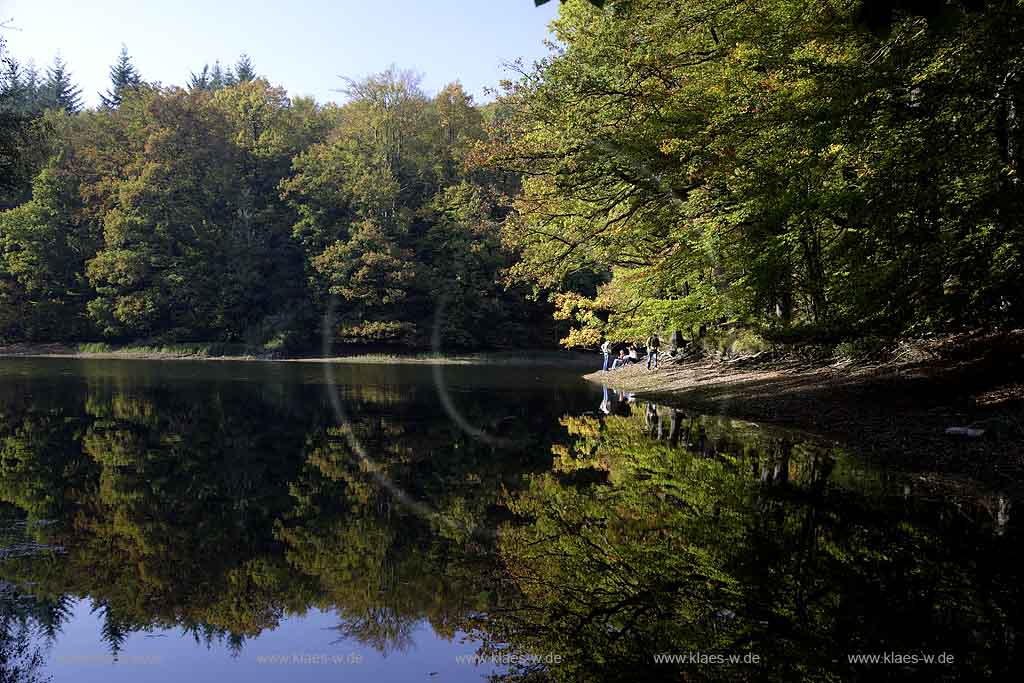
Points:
x=796 y=170
x=230 y=211
x=800 y=168
x=123 y=78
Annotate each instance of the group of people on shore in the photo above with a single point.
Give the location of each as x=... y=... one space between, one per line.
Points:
x=630 y=354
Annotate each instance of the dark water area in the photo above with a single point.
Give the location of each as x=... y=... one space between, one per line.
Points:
x=205 y=521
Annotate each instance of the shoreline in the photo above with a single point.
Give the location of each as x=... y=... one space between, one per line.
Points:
x=895 y=414
x=504 y=358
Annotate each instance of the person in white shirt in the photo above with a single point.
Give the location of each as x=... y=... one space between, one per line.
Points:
x=634 y=354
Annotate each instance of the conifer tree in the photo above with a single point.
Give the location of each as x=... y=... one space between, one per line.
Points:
x=123 y=77
x=244 y=70
x=59 y=91
x=32 y=88
x=218 y=77
x=12 y=86
x=200 y=81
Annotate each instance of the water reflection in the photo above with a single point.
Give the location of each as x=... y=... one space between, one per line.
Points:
x=715 y=536
x=625 y=532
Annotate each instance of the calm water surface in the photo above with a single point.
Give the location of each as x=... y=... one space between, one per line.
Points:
x=205 y=521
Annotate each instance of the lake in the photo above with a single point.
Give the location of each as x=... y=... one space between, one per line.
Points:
x=207 y=521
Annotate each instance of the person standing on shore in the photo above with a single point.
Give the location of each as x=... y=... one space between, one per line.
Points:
x=606 y=349
x=653 y=344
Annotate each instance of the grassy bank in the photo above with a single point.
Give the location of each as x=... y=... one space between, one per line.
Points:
x=240 y=352
x=896 y=411
x=195 y=350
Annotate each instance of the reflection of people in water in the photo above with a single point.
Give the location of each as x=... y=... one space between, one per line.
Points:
x=674 y=424
x=622 y=407
x=653 y=422
x=616 y=402
x=776 y=469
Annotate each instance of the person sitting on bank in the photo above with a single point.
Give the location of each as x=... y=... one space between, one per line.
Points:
x=634 y=354
x=621 y=361
x=653 y=343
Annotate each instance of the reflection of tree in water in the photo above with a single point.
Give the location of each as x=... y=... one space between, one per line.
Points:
x=21 y=659
x=27 y=625
x=223 y=509
x=114 y=630
x=739 y=541
x=382 y=628
x=208 y=635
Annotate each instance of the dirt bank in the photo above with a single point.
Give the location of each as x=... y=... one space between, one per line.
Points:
x=897 y=412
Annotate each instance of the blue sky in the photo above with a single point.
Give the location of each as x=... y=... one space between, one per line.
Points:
x=303 y=45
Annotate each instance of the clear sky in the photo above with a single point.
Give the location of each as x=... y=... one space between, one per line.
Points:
x=303 y=45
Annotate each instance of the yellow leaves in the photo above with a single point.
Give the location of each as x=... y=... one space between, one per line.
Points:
x=670 y=146
x=833 y=151
x=576 y=307
x=136 y=309
x=568 y=303
x=746 y=52
x=581 y=338
x=378 y=330
x=117 y=267
x=826 y=52
x=256 y=110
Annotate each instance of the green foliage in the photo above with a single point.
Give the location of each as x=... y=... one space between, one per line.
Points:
x=124 y=78
x=732 y=342
x=199 y=349
x=595 y=3
x=61 y=93
x=397 y=234
x=95 y=347
x=231 y=212
x=177 y=221
x=22 y=132
x=791 y=165
x=244 y=71
x=799 y=170
x=43 y=250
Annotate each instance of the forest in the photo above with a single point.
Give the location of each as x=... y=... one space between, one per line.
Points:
x=827 y=171
x=228 y=211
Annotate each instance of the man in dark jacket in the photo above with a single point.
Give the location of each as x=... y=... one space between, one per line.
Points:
x=653 y=344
